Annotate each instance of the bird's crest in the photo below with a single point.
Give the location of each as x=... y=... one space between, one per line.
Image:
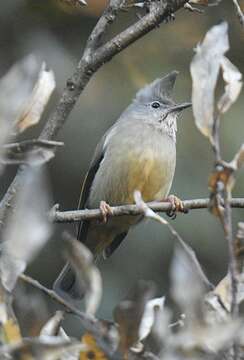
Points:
x=158 y=90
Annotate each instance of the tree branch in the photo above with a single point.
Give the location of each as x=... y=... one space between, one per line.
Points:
x=78 y=215
x=159 y=11
x=89 y=322
x=239 y=12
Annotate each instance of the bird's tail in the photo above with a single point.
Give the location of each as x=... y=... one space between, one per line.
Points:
x=67 y=285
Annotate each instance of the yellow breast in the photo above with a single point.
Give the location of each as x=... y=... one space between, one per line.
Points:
x=150 y=174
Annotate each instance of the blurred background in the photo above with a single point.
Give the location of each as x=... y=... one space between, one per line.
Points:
x=57 y=33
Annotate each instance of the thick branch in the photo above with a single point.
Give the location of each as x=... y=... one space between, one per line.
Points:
x=103 y=23
x=160 y=11
x=77 y=215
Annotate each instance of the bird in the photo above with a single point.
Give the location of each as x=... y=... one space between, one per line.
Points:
x=137 y=153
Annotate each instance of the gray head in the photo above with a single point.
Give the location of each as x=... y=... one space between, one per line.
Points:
x=153 y=104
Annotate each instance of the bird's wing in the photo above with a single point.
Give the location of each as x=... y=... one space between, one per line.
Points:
x=87 y=183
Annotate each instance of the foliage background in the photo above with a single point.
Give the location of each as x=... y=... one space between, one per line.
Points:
x=57 y=34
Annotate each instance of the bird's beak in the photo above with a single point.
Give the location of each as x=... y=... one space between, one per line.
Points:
x=179 y=107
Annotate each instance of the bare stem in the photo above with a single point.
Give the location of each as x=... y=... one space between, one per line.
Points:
x=215 y=139
x=232 y=258
x=239 y=12
x=88 y=321
x=226 y=220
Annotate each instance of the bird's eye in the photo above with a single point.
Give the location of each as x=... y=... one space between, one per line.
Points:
x=155 y=104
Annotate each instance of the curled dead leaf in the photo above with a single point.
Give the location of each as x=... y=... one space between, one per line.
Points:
x=204 y=68
x=38 y=100
x=233 y=85
x=149 y=316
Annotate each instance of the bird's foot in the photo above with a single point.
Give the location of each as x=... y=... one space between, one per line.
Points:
x=105 y=210
x=177 y=206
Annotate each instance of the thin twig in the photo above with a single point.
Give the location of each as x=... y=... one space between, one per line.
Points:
x=149 y=213
x=88 y=65
x=89 y=322
x=225 y=217
x=232 y=258
x=78 y=215
x=29 y=144
x=239 y=12
x=99 y=31
x=215 y=139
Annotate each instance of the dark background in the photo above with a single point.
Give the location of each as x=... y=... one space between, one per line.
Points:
x=57 y=33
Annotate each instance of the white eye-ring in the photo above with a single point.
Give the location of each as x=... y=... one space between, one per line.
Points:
x=155 y=104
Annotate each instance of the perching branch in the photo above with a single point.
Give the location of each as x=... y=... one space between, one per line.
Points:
x=78 y=215
x=88 y=65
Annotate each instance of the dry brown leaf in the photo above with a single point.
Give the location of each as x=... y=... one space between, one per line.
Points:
x=93 y=351
x=38 y=100
x=204 y=71
x=232 y=78
x=9 y=327
x=221 y=181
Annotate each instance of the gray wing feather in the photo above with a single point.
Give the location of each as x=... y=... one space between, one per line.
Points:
x=85 y=191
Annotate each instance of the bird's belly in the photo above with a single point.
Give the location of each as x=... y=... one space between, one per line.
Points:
x=150 y=173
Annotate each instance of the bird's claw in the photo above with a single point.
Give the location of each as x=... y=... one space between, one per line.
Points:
x=105 y=210
x=177 y=206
